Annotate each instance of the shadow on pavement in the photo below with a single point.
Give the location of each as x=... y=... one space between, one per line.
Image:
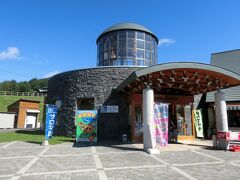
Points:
x=114 y=145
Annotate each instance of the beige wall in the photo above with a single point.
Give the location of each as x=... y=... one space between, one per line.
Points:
x=228 y=60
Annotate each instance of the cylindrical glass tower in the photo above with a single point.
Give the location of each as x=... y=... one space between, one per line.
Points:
x=127 y=44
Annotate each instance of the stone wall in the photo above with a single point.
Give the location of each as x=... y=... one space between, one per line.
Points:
x=98 y=83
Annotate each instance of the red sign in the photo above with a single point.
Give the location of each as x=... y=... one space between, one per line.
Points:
x=229 y=135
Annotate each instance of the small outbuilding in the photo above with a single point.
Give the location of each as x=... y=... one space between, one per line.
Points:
x=27 y=113
x=7 y=120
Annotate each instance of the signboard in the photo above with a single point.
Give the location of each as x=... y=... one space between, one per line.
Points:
x=86 y=126
x=234 y=136
x=198 y=122
x=109 y=109
x=51 y=117
x=161 y=123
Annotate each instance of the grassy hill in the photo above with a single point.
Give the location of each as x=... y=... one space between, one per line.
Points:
x=5 y=101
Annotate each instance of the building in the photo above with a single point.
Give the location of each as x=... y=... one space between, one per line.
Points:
x=229 y=60
x=27 y=113
x=129 y=80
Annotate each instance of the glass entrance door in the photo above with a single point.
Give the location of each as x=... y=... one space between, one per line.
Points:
x=184 y=121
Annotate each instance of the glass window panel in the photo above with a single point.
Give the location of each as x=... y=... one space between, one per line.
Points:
x=140 y=62
x=105 y=55
x=147 y=55
x=130 y=43
x=121 y=53
x=128 y=62
x=147 y=37
x=106 y=45
x=113 y=43
x=117 y=62
x=140 y=54
x=105 y=63
x=130 y=53
x=131 y=34
x=122 y=34
x=140 y=44
x=140 y=35
x=122 y=43
x=148 y=46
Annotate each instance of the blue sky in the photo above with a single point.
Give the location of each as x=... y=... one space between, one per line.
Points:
x=39 y=38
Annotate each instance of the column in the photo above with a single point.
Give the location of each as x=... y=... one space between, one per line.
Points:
x=148 y=125
x=221 y=117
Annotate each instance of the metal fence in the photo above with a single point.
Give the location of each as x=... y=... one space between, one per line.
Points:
x=12 y=93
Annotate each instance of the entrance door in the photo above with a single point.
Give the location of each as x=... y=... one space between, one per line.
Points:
x=138 y=124
x=184 y=122
x=31 y=119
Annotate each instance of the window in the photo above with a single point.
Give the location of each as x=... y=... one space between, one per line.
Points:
x=140 y=62
x=148 y=37
x=148 y=46
x=121 y=53
x=122 y=34
x=122 y=43
x=140 y=35
x=131 y=53
x=85 y=103
x=140 y=54
x=140 y=44
x=130 y=43
x=131 y=34
x=128 y=62
x=147 y=55
x=105 y=55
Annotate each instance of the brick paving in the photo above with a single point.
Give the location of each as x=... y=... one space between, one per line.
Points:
x=21 y=160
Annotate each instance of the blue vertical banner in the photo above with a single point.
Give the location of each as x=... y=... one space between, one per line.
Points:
x=51 y=117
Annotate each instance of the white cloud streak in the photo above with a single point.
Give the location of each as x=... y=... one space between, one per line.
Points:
x=50 y=74
x=10 y=53
x=166 y=41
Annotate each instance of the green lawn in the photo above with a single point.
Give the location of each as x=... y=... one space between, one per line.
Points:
x=32 y=136
x=5 y=101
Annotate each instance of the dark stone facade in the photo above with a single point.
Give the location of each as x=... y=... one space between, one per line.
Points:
x=97 y=83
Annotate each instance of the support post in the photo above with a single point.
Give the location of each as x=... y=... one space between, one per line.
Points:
x=221 y=118
x=148 y=125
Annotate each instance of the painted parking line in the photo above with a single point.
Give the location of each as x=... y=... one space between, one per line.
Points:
x=186 y=175
x=101 y=173
x=207 y=155
x=59 y=172
x=196 y=164
x=159 y=160
x=8 y=144
x=134 y=167
x=28 y=165
x=17 y=157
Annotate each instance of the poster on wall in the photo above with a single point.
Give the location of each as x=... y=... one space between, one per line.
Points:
x=198 y=122
x=86 y=126
x=161 y=123
x=51 y=117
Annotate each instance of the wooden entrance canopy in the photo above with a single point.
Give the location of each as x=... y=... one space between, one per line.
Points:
x=182 y=78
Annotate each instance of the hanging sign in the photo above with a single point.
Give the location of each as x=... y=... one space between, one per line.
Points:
x=86 y=126
x=198 y=122
x=161 y=123
x=51 y=117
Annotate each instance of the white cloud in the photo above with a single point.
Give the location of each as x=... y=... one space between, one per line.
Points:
x=10 y=53
x=48 y=75
x=166 y=41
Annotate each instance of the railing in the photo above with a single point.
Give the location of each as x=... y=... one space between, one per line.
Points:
x=12 y=93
